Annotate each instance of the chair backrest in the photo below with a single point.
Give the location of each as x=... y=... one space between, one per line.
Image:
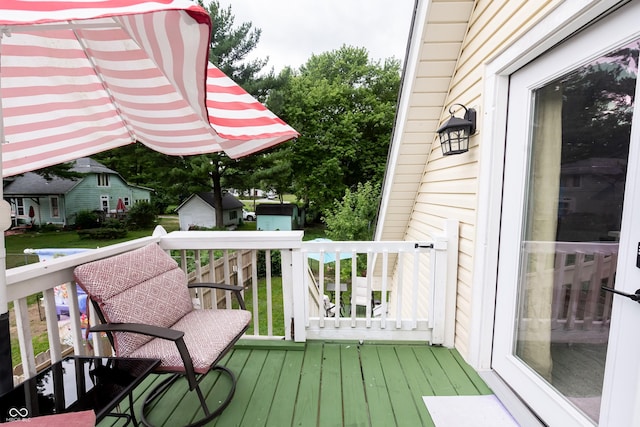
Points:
x=141 y=286
x=359 y=295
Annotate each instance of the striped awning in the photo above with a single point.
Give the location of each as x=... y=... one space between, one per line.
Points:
x=81 y=77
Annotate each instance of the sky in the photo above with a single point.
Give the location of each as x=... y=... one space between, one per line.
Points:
x=293 y=30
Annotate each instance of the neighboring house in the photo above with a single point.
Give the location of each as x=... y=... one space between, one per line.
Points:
x=277 y=216
x=553 y=83
x=57 y=201
x=198 y=211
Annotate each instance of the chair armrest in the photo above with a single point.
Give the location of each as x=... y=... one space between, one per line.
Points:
x=158 y=332
x=223 y=286
x=139 y=328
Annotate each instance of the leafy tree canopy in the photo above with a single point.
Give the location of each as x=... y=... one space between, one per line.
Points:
x=353 y=217
x=344 y=107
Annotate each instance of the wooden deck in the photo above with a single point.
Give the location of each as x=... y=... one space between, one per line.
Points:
x=327 y=384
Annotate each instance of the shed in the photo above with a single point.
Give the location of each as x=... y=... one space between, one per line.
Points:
x=277 y=216
x=198 y=211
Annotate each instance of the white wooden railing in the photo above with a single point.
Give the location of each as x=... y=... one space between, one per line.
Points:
x=580 y=310
x=412 y=281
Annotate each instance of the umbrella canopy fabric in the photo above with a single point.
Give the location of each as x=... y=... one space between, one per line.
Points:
x=80 y=77
x=240 y=118
x=77 y=78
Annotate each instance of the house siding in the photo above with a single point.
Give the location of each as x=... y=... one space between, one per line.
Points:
x=196 y=212
x=458 y=39
x=86 y=195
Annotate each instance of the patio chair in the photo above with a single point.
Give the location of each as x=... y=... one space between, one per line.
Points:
x=360 y=297
x=142 y=300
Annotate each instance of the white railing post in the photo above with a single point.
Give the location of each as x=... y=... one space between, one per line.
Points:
x=288 y=303
x=445 y=285
x=297 y=284
x=452 y=232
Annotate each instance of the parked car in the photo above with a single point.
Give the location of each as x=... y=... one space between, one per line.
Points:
x=248 y=215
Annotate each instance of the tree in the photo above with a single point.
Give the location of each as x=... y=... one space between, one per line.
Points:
x=344 y=107
x=354 y=216
x=228 y=50
x=230 y=45
x=601 y=99
x=62 y=170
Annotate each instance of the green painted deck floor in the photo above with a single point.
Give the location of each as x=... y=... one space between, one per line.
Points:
x=325 y=384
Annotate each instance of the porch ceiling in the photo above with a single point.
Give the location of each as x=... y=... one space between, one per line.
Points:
x=435 y=45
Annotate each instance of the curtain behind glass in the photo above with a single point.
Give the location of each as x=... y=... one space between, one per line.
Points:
x=534 y=329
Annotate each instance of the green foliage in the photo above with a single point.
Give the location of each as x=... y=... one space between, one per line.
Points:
x=49 y=227
x=141 y=215
x=62 y=170
x=103 y=233
x=113 y=223
x=231 y=44
x=344 y=107
x=87 y=219
x=353 y=217
x=276 y=263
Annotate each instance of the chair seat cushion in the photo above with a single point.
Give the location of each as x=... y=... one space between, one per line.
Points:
x=206 y=334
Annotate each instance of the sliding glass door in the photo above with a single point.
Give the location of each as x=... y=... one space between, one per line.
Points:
x=566 y=188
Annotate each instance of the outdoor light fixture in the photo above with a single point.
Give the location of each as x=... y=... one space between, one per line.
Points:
x=455 y=133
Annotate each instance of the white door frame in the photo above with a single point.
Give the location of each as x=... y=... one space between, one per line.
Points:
x=567 y=18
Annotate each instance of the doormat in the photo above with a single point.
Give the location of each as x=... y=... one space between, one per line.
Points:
x=471 y=411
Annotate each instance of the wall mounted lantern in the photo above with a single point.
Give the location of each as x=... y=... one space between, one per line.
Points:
x=455 y=133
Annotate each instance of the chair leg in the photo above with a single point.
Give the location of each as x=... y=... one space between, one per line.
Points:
x=162 y=388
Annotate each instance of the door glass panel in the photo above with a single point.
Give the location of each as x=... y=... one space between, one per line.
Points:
x=578 y=161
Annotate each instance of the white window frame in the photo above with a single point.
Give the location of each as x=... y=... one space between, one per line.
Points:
x=55 y=210
x=20 y=208
x=102 y=179
x=104 y=203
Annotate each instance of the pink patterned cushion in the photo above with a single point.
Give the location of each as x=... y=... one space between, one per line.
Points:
x=142 y=286
x=68 y=419
x=206 y=334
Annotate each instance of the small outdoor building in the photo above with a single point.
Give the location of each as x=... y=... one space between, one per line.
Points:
x=280 y=216
x=198 y=211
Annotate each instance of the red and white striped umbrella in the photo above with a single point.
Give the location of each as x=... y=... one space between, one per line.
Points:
x=81 y=77
x=78 y=77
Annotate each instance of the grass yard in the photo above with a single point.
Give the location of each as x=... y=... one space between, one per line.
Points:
x=17 y=243
x=277 y=308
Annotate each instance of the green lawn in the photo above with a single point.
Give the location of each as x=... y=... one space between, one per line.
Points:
x=277 y=307
x=16 y=244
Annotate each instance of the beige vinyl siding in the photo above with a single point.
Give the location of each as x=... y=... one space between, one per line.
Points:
x=459 y=38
